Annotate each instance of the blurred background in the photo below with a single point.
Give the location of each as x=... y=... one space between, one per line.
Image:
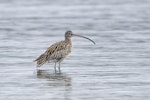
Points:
x=116 y=68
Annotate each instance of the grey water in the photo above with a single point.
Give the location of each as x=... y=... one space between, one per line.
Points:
x=116 y=68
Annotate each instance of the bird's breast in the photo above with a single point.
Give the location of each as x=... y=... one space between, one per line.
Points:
x=69 y=46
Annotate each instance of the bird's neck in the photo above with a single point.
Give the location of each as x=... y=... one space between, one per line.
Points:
x=67 y=39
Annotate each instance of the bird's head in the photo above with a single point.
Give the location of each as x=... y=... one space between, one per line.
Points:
x=70 y=34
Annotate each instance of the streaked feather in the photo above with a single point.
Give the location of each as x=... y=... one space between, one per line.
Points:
x=55 y=53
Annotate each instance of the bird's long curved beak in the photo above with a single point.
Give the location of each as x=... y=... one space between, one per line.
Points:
x=84 y=37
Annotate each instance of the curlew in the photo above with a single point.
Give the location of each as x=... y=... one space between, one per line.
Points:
x=58 y=51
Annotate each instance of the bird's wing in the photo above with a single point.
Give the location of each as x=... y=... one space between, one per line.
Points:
x=55 y=47
x=58 y=50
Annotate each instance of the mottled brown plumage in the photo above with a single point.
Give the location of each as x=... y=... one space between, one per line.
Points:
x=58 y=51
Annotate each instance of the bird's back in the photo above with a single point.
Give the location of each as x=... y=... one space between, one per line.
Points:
x=55 y=53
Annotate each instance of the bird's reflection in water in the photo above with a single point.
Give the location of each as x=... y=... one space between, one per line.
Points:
x=55 y=79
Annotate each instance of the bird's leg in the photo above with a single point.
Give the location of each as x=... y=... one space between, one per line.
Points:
x=59 y=68
x=55 y=67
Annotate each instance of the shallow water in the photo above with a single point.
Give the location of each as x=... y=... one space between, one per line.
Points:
x=116 y=68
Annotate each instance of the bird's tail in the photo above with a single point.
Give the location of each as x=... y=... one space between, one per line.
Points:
x=41 y=60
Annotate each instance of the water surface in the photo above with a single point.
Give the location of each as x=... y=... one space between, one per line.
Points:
x=116 y=68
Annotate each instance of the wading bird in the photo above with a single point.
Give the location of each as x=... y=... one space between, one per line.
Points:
x=58 y=51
